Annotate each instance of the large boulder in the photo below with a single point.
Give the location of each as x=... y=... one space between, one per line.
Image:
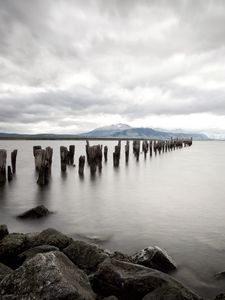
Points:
x=34 y=213
x=49 y=276
x=29 y=253
x=155 y=258
x=3 y=231
x=4 y=270
x=85 y=255
x=121 y=256
x=10 y=247
x=49 y=237
x=133 y=282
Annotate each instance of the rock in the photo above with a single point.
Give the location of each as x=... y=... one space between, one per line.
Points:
x=33 y=251
x=220 y=296
x=10 y=246
x=155 y=258
x=3 y=231
x=169 y=293
x=36 y=212
x=49 y=276
x=121 y=256
x=220 y=275
x=133 y=282
x=85 y=255
x=110 y=298
x=49 y=237
x=4 y=270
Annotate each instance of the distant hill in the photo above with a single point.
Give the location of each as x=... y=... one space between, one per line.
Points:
x=110 y=132
x=125 y=131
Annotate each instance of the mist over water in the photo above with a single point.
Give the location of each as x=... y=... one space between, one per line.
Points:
x=175 y=201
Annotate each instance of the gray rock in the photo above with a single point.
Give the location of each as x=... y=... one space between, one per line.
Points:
x=133 y=282
x=49 y=237
x=121 y=256
x=10 y=247
x=155 y=258
x=3 y=231
x=220 y=296
x=4 y=270
x=110 y=298
x=49 y=276
x=85 y=255
x=36 y=212
x=33 y=251
x=169 y=293
x=220 y=275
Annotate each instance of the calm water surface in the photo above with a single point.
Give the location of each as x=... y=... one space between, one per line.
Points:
x=175 y=200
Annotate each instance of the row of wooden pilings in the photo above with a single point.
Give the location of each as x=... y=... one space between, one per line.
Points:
x=11 y=168
x=94 y=155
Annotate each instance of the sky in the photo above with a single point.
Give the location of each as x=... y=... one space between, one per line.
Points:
x=69 y=66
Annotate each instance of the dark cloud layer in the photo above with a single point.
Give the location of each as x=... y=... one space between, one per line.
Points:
x=67 y=66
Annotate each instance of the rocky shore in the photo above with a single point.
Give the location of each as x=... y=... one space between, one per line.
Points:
x=51 y=265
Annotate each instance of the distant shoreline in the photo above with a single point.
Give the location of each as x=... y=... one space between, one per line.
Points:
x=92 y=139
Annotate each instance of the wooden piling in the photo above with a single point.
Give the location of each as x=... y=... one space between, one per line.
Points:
x=116 y=156
x=150 y=148
x=136 y=148
x=10 y=175
x=99 y=156
x=71 y=154
x=35 y=149
x=87 y=150
x=63 y=158
x=92 y=150
x=81 y=165
x=127 y=151
x=13 y=160
x=105 y=153
x=145 y=147
x=44 y=161
x=3 y=156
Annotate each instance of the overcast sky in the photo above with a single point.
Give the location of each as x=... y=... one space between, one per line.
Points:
x=71 y=66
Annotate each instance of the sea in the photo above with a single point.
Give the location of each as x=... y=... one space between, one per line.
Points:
x=175 y=201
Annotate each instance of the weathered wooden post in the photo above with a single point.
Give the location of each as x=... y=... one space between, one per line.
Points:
x=159 y=146
x=136 y=148
x=3 y=156
x=71 y=154
x=41 y=159
x=35 y=148
x=150 y=148
x=105 y=153
x=92 y=158
x=99 y=157
x=49 y=153
x=87 y=151
x=10 y=175
x=127 y=150
x=116 y=156
x=63 y=158
x=44 y=161
x=13 y=160
x=81 y=165
x=145 y=147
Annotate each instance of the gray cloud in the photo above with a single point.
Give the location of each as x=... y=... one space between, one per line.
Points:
x=64 y=61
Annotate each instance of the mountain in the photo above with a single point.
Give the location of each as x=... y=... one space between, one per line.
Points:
x=110 y=132
x=125 y=131
x=107 y=131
